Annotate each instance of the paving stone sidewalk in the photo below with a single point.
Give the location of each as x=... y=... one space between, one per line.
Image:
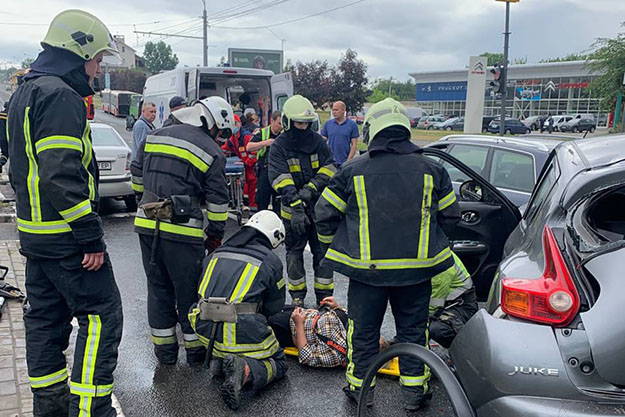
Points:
x=15 y=395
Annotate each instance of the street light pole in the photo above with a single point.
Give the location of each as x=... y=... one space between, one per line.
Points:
x=504 y=76
x=205 y=37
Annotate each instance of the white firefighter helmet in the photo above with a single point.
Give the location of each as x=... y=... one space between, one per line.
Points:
x=214 y=111
x=269 y=224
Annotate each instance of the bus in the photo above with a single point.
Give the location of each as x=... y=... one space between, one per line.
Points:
x=116 y=102
x=90 y=107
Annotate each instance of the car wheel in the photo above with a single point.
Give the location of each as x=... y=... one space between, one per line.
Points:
x=448 y=128
x=131 y=202
x=430 y=127
x=592 y=129
x=528 y=131
x=507 y=132
x=575 y=130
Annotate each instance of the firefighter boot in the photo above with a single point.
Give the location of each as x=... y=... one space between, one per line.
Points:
x=354 y=394
x=414 y=400
x=51 y=401
x=234 y=371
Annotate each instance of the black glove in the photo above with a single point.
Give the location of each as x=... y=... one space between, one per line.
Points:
x=306 y=194
x=299 y=220
x=211 y=244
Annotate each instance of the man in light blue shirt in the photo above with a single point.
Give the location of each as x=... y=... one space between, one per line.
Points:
x=341 y=133
x=143 y=126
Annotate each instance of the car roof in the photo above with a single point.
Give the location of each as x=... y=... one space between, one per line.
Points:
x=599 y=150
x=538 y=143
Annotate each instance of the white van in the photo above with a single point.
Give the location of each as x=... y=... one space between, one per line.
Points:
x=241 y=87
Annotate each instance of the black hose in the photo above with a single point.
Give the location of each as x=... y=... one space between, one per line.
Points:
x=456 y=394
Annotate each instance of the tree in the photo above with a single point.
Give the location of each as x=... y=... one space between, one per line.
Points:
x=126 y=79
x=569 y=57
x=349 y=81
x=313 y=81
x=399 y=90
x=159 y=57
x=607 y=60
x=493 y=58
x=27 y=62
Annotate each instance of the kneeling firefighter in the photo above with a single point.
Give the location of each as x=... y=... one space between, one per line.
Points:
x=241 y=286
x=300 y=167
x=386 y=213
x=179 y=174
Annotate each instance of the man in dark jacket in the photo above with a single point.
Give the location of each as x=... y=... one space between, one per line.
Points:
x=68 y=272
x=385 y=215
x=179 y=173
x=245 y=276
x=175 y=103
x=300 y=166
x=4 y=143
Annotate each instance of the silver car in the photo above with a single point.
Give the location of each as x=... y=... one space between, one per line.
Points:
x=551 y=340
x=114 y=158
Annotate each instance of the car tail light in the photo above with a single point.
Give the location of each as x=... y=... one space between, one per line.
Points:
x=230 y=72
x=552 y=298
x=128 y=161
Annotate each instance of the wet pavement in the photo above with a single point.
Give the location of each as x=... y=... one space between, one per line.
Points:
x=145 y=388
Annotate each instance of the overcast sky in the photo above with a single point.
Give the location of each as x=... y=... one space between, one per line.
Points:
x=394 y=37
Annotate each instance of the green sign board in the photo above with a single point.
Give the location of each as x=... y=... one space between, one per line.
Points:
x=256 y=58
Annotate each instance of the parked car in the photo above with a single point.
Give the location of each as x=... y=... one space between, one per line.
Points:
x=534 y=122
x=512 y=127
x=114 y=158
x=414 y=121
x=557 y=122
x=578 y=125
x=442 y=125
x=449 y=124
x=486 y=121
x=510 y=164
x=549 y=342
x=428 y=122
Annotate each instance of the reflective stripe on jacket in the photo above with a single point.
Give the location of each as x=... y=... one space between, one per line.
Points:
x=183 y=160
x=243 y=275
x=53 y=170
x=450 y=284
x=382 y=216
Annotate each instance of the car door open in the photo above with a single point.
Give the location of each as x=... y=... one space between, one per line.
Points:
x=487 y=220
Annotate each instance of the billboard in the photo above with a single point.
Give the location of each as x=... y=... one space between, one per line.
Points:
x=449 y=91
x=256 y=58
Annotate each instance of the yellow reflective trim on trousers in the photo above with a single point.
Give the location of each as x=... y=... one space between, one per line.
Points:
x=76 y=212
x=349 y=373
x=169 y=227
x=336 y=201
x=426 y=205
x=285 y=215
x=33 y=172
x=86 y=159
x=90 y=390
x=269 y=369
x=179 y=153
x=325 y=238
x=447 y=201
x=314 y=164
x=193 y=344
x=58 y=142
x=284 y=183
x=280 y=284
x=48 y=380
x=137 y=187
x=207 y=277
x=167 y=340
x=320 y=286
x=216 y=217
x=295 y=168
x=388 y=264
x=229 y=333
x=89 y=362
x=363 y=212
x=297 y=287
x=43 y=228
x=325 y=170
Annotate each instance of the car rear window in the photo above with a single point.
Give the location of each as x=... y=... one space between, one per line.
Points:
x=105 y=136
x=512 y=170
x=472 y=156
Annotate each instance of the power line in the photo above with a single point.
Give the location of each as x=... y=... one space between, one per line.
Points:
x=262 y=7
x=292 y=20
x=117 y=24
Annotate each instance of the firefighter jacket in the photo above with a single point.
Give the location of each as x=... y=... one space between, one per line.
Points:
x=182 y=160
x=299 y=158
x=244 y=270
x=4 y=144
x=383 y=214
x=238 y=146
x=450 y=285
x=53 y=168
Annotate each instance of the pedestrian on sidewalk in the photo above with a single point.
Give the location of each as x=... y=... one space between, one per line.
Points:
x=68 y=272
x=341 y=133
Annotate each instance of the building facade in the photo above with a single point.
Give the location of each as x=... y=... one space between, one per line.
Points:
x=532 y=90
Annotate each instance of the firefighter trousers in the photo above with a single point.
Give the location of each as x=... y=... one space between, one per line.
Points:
x=367 y=306
x=58 y=290
x=295 y=245
x=265 y=193
x=262 y=371
x=446 y=324
x=172 y=289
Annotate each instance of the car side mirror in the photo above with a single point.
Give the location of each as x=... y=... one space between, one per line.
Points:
x=471 y=191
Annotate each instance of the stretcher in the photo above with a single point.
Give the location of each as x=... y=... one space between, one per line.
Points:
x=235 y=177
x=390 y=368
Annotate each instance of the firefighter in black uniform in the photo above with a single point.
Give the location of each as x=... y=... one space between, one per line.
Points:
x=386 y=214
x=179 y=174
x=4 y=143
x=68 y=272
x=261 y=144
x=300 y=166
x=241 y=286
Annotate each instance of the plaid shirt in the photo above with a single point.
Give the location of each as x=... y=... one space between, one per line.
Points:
x=316 y=352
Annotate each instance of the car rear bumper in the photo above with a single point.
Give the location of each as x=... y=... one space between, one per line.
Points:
x=115 y=186
x=547 y=407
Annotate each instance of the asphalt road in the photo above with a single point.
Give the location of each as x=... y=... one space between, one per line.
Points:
x=145 y=388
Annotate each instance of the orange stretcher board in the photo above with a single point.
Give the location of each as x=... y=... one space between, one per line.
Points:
x=391 y=368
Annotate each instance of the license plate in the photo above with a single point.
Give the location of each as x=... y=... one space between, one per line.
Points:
x=105 y=166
